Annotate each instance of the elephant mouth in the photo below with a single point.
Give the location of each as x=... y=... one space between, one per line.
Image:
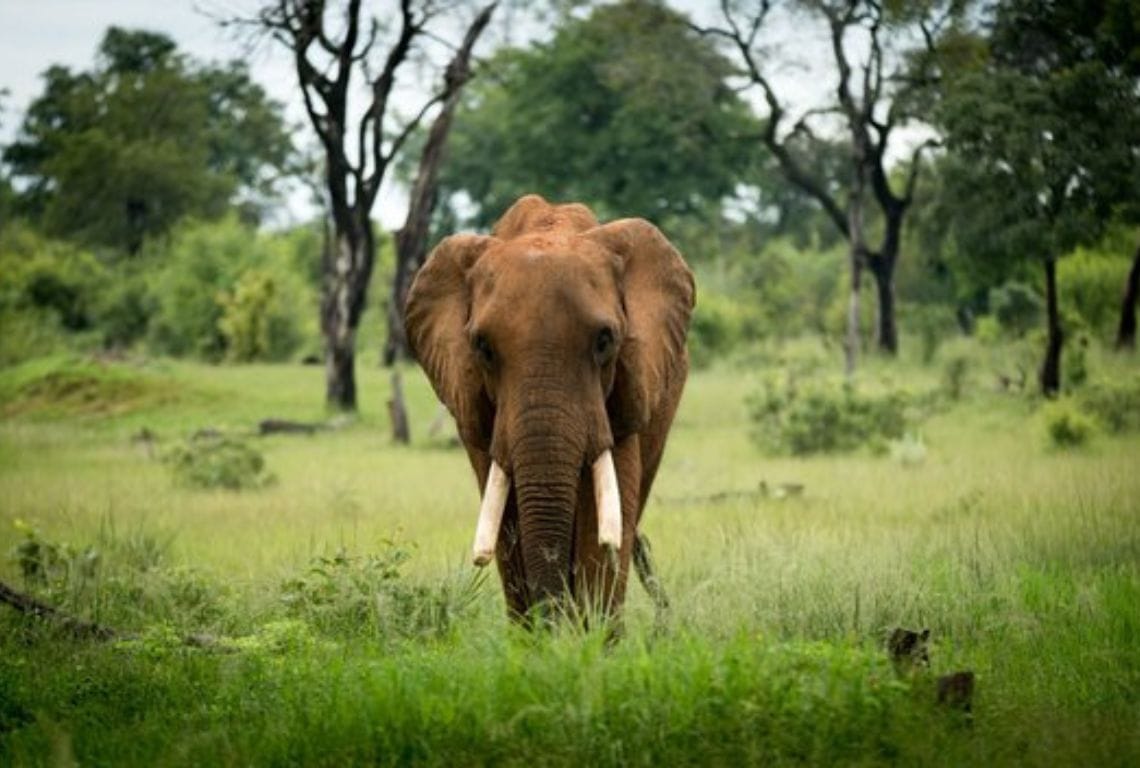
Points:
x=607 y=502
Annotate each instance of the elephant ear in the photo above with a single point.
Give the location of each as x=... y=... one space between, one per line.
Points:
x=658 y=294
x=435 y=317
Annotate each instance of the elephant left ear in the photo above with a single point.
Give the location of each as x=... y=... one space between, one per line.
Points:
x=658 y=293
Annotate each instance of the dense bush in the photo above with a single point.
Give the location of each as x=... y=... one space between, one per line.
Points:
x=717 y=328
x=1090 y=283
x=825 y=418
x=48 y=294
x=1114 y=402
x=218 y=462
x=253 y=322
x=199 y=280
x=352 y=594
x=1067 y=425
x=933 y=323
x=1017 y=307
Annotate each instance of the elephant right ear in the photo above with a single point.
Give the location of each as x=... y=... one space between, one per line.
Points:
x=435 y=317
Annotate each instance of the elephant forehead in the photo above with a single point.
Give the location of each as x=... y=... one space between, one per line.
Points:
x=545 y=272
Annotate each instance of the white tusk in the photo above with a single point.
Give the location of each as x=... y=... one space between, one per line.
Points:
x=607 y=499
x=491 y=514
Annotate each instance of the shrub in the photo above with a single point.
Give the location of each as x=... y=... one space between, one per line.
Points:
x=1068 y=426
x=1075 y=363
x=346 y=594
x=1090 y=282
x=245 y=316
x=824 y=419
x=935 y=323
x=957 y=364
x=1016 y=306
x=717 y=328
x=1114 y=403
x=117 y=578
x=211 y=292
x=218 y=463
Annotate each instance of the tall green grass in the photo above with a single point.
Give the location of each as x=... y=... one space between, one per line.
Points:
x=1022 y=559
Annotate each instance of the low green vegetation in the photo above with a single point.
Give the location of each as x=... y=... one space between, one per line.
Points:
x=331 y=617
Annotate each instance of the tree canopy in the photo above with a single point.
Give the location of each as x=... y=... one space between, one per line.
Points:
x=118 y=153
x=627 y=110
x=1043 y=142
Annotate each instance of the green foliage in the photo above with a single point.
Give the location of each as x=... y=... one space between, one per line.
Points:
x=1040 y=145
x=246 y=318
x=957 y=362
x=1067 y=425
x=48 y=291
x=751 y=292
x=369 y=595
x=934 y=323
x=718 y=326
x=198 y=315
x=1017 y=307
x=1090 y=282
x=1115 y=402
x=218 y=462
x=603 y=115
x=122 y=578
x=818 y=418
x=118 y=154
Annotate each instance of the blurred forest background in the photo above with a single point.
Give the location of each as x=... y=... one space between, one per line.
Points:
x=930 y=170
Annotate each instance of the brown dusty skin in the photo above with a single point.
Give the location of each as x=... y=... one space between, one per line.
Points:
x=550 y=341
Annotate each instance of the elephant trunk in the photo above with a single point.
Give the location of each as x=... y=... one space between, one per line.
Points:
x=547 y=474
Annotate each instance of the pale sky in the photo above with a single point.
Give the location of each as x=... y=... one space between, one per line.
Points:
x=34 y=34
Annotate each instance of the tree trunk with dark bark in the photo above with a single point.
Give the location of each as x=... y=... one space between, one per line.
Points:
x=1126 y=332
x=1051 y=366
x=358 y=150
x=886 y=331
x=412 y=239
x=349 y=257
x=857 y=255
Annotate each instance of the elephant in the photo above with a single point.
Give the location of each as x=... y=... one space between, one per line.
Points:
x=558 y=345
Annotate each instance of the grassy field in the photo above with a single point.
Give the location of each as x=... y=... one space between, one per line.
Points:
x=351 y=629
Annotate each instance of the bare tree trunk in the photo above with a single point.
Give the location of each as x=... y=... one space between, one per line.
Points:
x=851 y=345
x=397 y=413
x=1126 y=333
x=412 y=239
x=857 y=255
x=882 y=264
x=347 y=272
x=1051 y=366
x=886 y=331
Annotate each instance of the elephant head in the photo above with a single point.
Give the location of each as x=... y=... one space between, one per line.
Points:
x=559 y=347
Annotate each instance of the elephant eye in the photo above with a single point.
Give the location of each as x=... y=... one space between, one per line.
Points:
x=604 y=346
x=483 y=349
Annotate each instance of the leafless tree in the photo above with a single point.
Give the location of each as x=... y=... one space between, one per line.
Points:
x=331 y=44
x=866 y=103
x=412 y=238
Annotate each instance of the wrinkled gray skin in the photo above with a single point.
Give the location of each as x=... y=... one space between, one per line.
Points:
x=550 y=341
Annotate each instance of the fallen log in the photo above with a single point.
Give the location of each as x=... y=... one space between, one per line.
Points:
x=286 y=427
x=81 y=628
x=30 y=606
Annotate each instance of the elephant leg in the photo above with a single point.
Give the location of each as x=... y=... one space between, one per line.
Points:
x=643 y=562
